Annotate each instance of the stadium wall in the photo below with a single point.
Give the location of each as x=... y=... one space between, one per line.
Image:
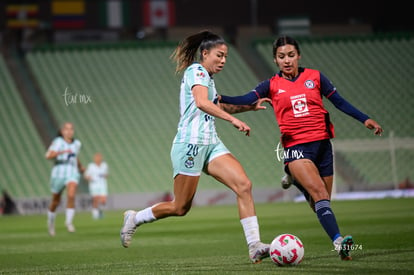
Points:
x=32 y=206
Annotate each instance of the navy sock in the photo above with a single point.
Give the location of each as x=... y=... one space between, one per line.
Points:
x=327 y=218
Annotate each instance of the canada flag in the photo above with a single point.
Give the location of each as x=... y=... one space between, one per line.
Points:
x=159 y=13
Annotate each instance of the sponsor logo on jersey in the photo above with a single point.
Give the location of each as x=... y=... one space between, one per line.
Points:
x=299 y=105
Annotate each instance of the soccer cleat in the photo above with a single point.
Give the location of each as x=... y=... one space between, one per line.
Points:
x=128 y=228
x=343 y=246
x=51 y=229
x=286 y=181
x=346 y=246
x=258 y=251
x=70 y=227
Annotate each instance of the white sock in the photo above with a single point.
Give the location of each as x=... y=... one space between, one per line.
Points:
x=95 y=213
x=251 y=229
x=51 y=217
x=70 y=213
x=144 y=216
x=338 y=243
x=338 y=240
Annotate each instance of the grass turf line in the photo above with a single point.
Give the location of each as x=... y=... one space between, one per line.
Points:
x=209 y=240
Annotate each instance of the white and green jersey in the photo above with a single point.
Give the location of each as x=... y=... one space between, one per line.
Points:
x=97 y=173
x=66 y=165
x=196 y=126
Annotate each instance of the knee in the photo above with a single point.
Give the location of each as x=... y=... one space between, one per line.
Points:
x=54 y=203
x=71 y=191
x=182 y=210
x=70 y=197
x=244 y=187
x=55 y=199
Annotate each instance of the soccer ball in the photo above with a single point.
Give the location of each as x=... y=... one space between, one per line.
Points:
x=286 y=249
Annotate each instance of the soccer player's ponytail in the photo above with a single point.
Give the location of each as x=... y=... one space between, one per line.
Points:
x=185 y=53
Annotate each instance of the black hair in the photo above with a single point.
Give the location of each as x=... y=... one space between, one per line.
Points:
x=285 y=40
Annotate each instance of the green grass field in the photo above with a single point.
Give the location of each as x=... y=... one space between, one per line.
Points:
x=209 y=240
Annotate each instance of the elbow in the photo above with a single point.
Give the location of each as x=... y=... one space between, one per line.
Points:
x=201 y=105
x=50 y=155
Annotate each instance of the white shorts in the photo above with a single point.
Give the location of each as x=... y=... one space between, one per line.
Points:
x=98 y=189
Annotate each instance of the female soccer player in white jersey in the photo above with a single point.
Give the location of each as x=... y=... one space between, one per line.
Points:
x=96 y=174
x=197 y=147
x=64 y=150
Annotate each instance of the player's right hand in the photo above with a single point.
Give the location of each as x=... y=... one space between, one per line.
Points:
x=243 y=127
x=373 y=125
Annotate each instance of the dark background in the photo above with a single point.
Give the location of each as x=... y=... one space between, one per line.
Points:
x=382 y=16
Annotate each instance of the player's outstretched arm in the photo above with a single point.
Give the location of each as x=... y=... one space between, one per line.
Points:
x=201 y=100
x=233 y=109
x=373 y=125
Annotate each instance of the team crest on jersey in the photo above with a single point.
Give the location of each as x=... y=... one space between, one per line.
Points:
x=309 y=84
x=189 y=163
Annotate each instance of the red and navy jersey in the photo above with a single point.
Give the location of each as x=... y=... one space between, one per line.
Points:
x=299 y=108
x=298 y=105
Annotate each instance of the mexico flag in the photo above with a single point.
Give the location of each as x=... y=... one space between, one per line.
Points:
x=159 y=13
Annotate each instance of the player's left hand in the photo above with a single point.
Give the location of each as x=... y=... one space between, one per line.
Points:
x=258 y=105
x=373 y=125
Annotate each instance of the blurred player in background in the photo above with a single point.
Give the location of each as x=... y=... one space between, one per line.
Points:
x=197 y=147
x=96 y=174
x=296 y=95
x=66 y=171
x=7 y=204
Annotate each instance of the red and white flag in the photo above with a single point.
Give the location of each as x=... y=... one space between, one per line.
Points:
x=159 y=13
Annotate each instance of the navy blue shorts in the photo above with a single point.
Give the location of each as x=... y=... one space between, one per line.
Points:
x=320 y=152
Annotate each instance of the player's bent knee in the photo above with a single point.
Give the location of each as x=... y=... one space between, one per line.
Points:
x=182 y=211
x=244 y=187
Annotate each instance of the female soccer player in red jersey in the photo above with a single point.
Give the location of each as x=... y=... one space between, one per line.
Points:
x=306 y=130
